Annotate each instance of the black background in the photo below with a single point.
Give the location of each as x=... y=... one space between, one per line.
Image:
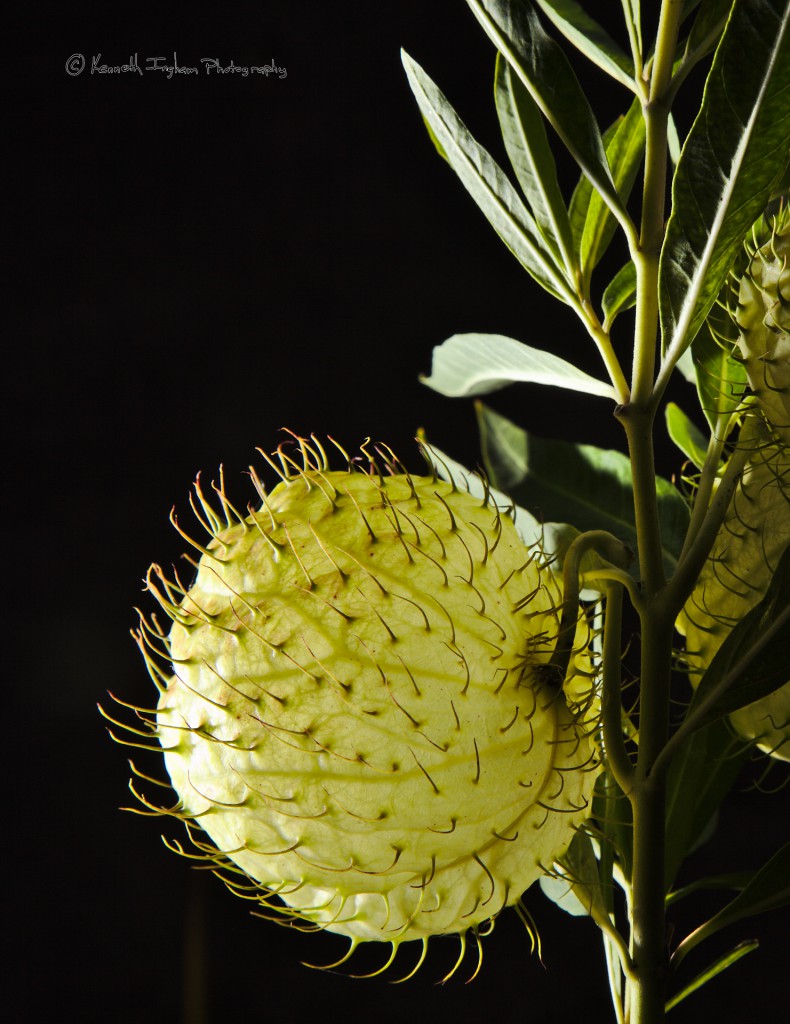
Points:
x=212 y=258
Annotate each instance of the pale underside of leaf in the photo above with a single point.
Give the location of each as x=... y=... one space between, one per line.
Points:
x=527 y=145
x=590 y=38
x=474 y=364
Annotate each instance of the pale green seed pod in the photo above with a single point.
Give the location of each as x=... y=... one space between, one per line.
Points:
x=735 y=578
x=763 y=318
x=359 y=717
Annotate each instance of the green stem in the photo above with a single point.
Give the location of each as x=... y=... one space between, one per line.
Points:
x=615 y=753
x=648 y=793
x=648 y=800
x=638 y=424
x=610 y=548
x=605 y=348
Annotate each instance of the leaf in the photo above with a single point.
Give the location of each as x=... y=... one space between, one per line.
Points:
x=734 y=153
x=613 y=815
x=700 y=776
x=544 y=69
x=673 y=140
x=582 y=195
x=704 y=36
x=473 y=364
x=624 y=151
x=732 y=880
x=769 y=889
x=524 y=134
x=719 y=964
x=620 y=294
x=686 y=435
x=688 y=7
x=721 y=380
x=707 y=27
x=754 y=659
x=575 y=483
x=589 y=37
x=487 y=184
x=577 y=890
x=685 y=367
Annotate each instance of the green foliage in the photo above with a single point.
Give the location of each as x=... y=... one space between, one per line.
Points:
x=575 y=483
x=769 y=889
x=734 y=155
x=686 y=435
x=620 y=293
x=754 y=660
x=669 y=759
x=679 y=276
x=701 y=775
x=546 y=73
x=488 y=185
x=593 y=222
x=527 y=145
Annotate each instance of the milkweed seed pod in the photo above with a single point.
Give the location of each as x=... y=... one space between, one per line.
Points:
x=736 y=577
x=356 y=724
x=763 y=318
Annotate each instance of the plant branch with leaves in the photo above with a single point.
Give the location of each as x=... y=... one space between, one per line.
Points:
x=709 y=281
x=390 y=703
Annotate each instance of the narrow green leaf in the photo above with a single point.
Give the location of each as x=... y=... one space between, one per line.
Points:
x=488 y=185
x=736 y=150
x=754 y=659
x=575 y=483
x=473 y=364
x=720 y=964
x=721 y=380
x=686 y=434
x=700 y=776
x=769 y=889
x=688 y=7
x=544 y=69
x=624 y=150
x=620 y=294
x=736 y=880
x=524 y=134
x=708 y=27
x=588 y=36
x=583 y=193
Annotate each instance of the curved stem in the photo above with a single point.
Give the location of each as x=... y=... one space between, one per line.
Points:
x=612 y=550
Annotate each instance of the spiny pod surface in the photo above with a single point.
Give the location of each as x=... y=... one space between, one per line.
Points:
x=735 y=578
x=763 y=318
x=357 y=717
